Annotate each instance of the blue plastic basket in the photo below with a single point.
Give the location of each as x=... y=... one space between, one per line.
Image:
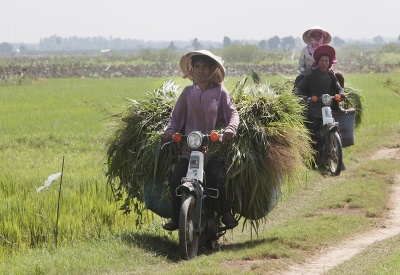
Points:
x=346 y=124
x=156 y=200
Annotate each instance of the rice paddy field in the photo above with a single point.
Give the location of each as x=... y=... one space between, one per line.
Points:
x=43 y=123
x=53 y=125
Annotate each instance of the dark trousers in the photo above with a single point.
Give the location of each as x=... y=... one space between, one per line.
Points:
x=214 y=178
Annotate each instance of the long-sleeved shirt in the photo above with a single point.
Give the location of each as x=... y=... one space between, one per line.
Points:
x=197 y=110
x=317 y=83
x=305 y=61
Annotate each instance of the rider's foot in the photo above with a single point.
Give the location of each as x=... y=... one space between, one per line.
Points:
x=229 y=220
x=171 y=226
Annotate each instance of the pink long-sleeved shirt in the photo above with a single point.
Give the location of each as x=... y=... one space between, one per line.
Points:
x=197 y=110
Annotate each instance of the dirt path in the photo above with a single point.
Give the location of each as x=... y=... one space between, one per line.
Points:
x=348 y=248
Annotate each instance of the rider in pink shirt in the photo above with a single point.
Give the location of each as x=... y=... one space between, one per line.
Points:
x=202 y=106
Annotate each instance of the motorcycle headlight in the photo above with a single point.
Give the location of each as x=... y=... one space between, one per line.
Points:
x=194 y=140
x=326 y=99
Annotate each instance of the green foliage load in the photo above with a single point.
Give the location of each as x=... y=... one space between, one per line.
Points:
x=354 y=99
x=134 y=155
x=271 y=147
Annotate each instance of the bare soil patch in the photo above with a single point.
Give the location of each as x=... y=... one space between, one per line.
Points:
x=389 y=153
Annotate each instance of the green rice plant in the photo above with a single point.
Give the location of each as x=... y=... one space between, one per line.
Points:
x=393 y=85
x=40 y=123
x=33 y=139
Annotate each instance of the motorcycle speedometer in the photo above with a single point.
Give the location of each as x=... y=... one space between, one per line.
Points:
x=326 y=99
x=194 y=140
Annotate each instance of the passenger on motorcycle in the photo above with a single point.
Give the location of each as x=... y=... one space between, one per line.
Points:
x=201 y=107
x=314 y=38
x=317 y=81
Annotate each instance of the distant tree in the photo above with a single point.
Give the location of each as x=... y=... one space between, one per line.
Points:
x=116 y=43
x=274 y=42
x=337 y=41
x=22 y=48
x=6 y=48
x=288 y=42
x=263 y=44
x=50 y=43
x=196 y=44
x=172 y=46
x=227 y=41
x=398 y=39
x=378 y=40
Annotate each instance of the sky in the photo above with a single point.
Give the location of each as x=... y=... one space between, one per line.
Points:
x=208 y=20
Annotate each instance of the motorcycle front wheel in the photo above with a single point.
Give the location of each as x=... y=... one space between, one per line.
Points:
x=335 y=158
x=188 y=238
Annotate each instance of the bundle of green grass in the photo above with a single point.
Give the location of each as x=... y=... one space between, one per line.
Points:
x=271 y=148
x=354 y=99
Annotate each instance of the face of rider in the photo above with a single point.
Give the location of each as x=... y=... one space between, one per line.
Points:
x=316 y=36
x=323 y=63
x=202 y=71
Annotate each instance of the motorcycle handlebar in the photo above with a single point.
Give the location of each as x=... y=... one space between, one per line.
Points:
x=313 y=99
x=178 y=137
x=213 y=136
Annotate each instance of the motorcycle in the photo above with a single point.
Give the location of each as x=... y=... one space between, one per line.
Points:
x=328 y=137
x=199 y=223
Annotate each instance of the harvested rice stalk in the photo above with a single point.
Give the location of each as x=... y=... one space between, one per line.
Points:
x=134 y=157
x=354 y=99
x=271 y=147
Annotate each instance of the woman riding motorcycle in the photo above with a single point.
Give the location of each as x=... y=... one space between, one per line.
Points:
x=201 y=107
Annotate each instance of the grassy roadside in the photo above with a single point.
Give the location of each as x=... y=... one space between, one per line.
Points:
x=292 y=233
x=381 y=258
x=320 y=212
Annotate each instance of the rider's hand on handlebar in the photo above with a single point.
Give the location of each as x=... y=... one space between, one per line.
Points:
x=167 y=136
x=228 y=136
x=342 y=96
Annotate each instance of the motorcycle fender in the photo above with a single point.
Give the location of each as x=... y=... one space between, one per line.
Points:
x=329 y=128
x=186 y=187
x=334 y=128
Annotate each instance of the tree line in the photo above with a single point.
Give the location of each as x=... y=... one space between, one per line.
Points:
x=56 y=43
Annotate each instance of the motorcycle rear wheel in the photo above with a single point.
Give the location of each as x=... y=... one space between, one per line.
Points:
x=335 y=158
x=188 y=238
